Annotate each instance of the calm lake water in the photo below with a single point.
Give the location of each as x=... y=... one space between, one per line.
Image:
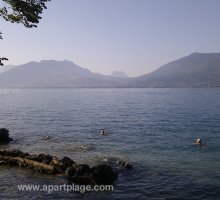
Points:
x=154 y=129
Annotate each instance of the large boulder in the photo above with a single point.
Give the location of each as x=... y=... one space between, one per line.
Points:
x=103 y=174
x=66 y=162
x=4 y=136
x=100 y=174
x=61 y=165
x=78 y=170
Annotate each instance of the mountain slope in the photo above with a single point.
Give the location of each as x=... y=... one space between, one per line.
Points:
x=6 y=68
x=119 y=74
x=51 y=73
x=195 y=70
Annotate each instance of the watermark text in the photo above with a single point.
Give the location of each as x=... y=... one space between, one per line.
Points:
x=66 y=188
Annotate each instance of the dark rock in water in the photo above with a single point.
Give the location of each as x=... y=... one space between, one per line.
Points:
x=70 y=172
x=103 y=174
x=83 y=174
x=38 y=163
x=34 y=157
x=8 y=161
x=4 y=136
x=55 y=162
x=48 y=164
x=82 y=169
x=61 y=165
x=46 y=158
x=26 y=163
x=78 y=170
x=66 y=162
x=43 y=158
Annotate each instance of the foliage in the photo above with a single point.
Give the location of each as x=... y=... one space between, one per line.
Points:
x=26 y=12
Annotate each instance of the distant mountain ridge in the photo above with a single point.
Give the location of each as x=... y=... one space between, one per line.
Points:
x=51 y=73
x=194 y=70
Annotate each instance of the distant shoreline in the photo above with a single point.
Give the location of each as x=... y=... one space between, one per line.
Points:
x=110 y=87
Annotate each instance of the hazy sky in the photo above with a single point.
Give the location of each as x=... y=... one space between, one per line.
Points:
x=134 y=36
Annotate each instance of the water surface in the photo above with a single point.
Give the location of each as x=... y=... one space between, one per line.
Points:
x=154 y=129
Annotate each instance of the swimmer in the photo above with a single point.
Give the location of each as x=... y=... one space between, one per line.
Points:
x=198 y=141
x=83 y=146
x=102 y=132
x=46 y=137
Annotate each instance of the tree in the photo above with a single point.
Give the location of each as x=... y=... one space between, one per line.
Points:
x=26 y=12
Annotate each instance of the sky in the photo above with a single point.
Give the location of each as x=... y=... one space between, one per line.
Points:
x=133 y=36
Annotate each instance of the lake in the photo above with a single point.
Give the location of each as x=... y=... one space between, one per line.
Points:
x=153 y=129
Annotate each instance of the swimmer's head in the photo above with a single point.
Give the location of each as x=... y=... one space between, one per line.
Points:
x=199 y=141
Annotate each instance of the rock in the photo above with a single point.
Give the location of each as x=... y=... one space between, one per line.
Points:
x=67 y=162
x=78 y=170
x=46 y=158
x=23 y=162
x=34 y=157
x=8 y=161
x=70 y=172
x=83 y=174
x=61 y=165
x=13 y=153
x=45 y=163
x=4 y=136
x=103 y=174
x=82 y=169
x=42 y=158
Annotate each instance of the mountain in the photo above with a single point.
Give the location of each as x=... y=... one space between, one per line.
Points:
x=119 y=74
x=194 y=70
x=6 y=68
x=51 y=73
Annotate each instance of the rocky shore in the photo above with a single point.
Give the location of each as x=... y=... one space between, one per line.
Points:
x=49 y=164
